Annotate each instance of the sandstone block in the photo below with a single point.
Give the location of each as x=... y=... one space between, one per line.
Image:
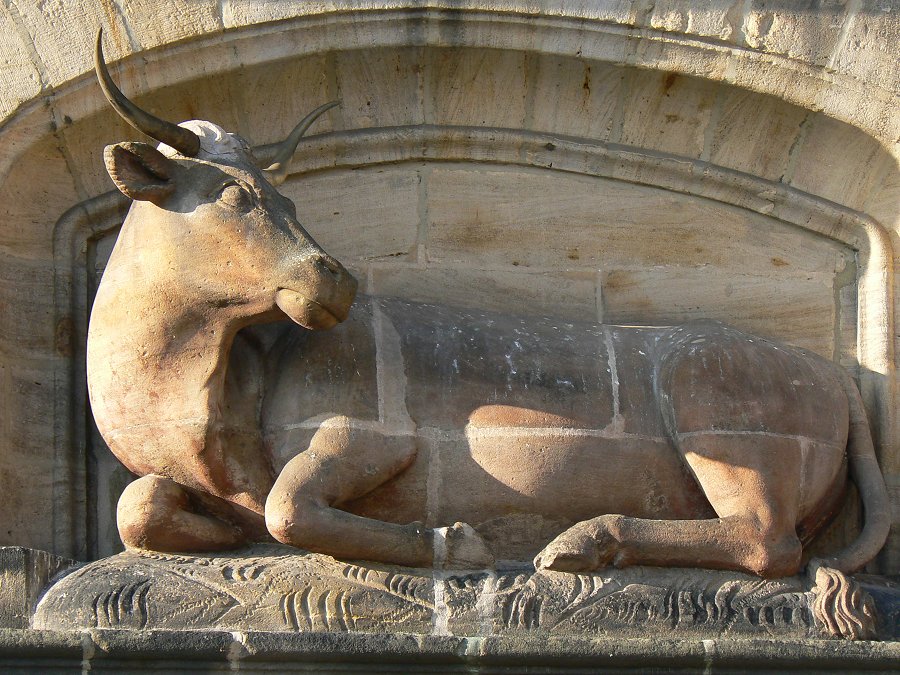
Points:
x=55 y=26
x=840 y=163
x=32 y=205
x=270 y=104
x=155 y=23
x=20 y=79
x=868 y=52
x=720 y=19
x=24 y=574
x=799 y=311
x=666 y=112
x=377 y=218
x=565 y=294
x=575 y=98
x=550 y=220
x=380 y=88
x=465 y=86
x=755 y=133
x=809 y=36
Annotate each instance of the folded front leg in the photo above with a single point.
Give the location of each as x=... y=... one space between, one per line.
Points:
x=345 y=462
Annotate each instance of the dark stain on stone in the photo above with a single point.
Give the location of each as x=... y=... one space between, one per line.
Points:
x=668 y=82
x=63 y=337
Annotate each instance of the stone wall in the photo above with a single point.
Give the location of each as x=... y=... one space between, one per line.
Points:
x=631 y=162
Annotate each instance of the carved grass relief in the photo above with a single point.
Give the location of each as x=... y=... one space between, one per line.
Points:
x=271 y=588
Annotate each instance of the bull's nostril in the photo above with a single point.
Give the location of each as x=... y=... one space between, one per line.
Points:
x=330 y=265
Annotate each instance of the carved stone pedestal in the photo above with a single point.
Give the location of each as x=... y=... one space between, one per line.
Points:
x=274 y=609
x=277 y=589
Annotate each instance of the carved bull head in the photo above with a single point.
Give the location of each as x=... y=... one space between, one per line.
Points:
x=204 y=205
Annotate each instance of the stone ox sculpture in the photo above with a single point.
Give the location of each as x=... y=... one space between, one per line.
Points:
x=583 y=445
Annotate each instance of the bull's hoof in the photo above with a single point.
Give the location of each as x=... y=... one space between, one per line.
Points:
x=585 y=547
x=464 y=549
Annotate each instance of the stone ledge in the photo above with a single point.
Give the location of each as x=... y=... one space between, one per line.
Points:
x=24 y=574
x=101 y=650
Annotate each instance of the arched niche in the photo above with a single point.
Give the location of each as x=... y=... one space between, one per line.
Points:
x=514 y=177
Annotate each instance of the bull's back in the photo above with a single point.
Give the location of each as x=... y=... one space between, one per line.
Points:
x=441 y=370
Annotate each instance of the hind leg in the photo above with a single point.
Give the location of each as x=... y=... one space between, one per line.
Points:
x=752 y=482
x=158 y=514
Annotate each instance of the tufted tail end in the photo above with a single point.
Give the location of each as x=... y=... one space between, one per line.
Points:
x=841 y=606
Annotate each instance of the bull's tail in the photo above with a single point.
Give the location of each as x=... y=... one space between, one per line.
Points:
x=840 y=604
x=866 y=474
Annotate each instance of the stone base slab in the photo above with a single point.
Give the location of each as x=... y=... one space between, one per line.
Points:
x=220 y=651
x=275 y=589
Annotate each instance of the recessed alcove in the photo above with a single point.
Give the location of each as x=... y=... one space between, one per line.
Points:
x=526 y=178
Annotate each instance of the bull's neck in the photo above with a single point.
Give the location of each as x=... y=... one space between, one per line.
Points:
x=153 y=350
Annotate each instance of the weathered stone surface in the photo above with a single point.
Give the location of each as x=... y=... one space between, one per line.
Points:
x=521 y=218
x=271 y=588
x=804 y=313
x=381 y=88
x=55 y=26
x=716 y=19
x=805 y=35
x=571 y=295
x=868 y=50
x=825 y=157
x=24 y=574
x=270 y=105
x=155 y=25
x=666 y=111
x=384 y=198
x=20 y=79
x=466 y=84
x=755 y=133
x=576 y=98
x=204 y=650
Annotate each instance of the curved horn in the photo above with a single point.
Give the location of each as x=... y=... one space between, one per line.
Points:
x=183 y=140
x=277 y=171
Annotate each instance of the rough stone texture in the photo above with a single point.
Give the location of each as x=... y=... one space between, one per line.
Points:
x=661 y=296
x=270 y=588
x=159 y=23
x=55 y=26
x=866 y=51
x=24 y=575
x=805 y=35
x=20 y=79
x=238 y=651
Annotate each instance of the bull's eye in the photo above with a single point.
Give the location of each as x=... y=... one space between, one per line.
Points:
x=236 y=197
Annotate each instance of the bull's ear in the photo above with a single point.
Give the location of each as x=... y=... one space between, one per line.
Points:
x=140 y=171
